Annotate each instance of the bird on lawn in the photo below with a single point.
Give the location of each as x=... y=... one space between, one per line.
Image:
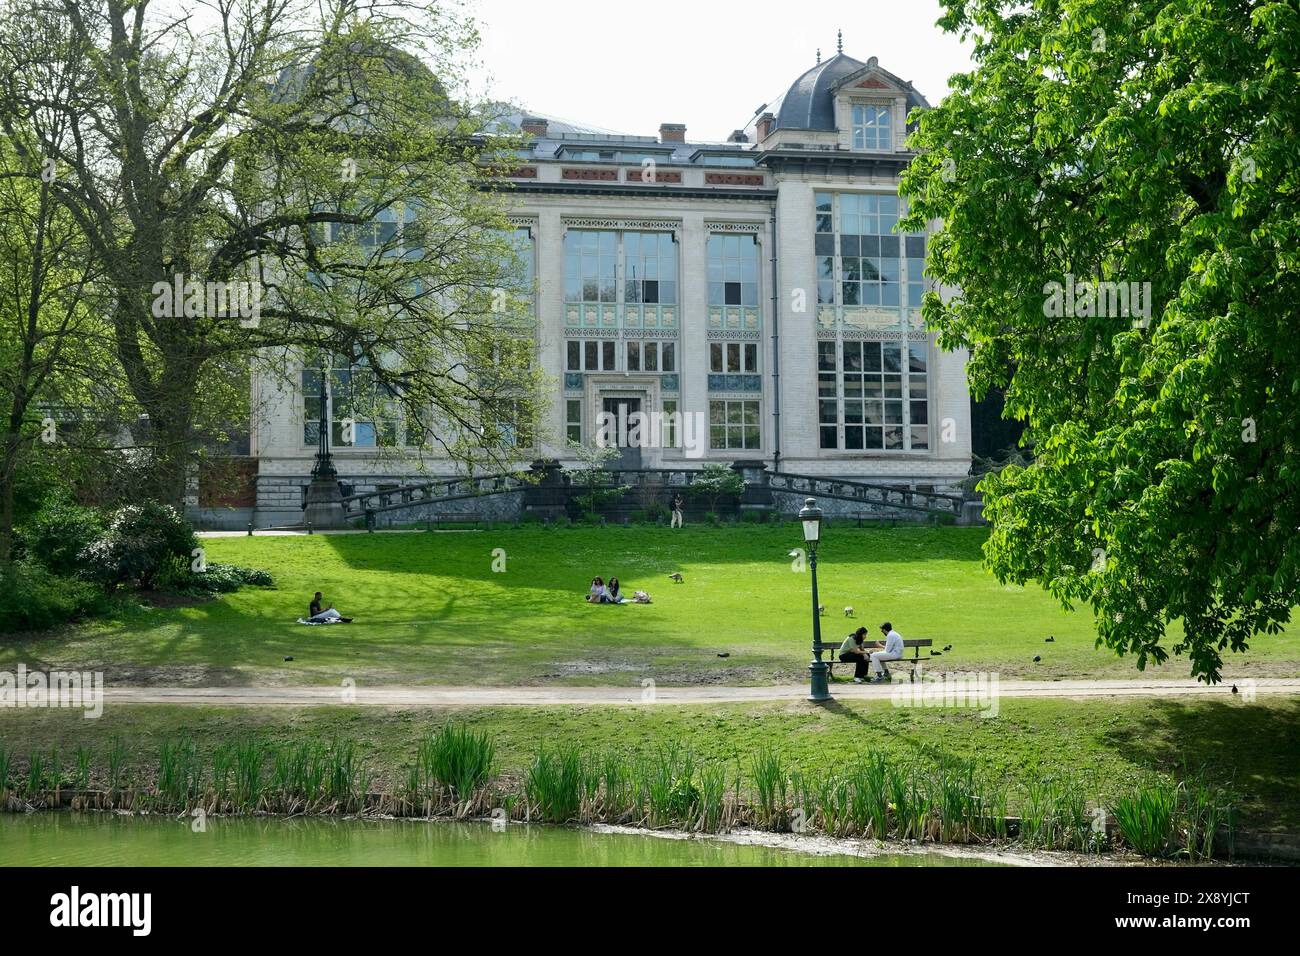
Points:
x=1051 y=639
x=947 y=647
x=1037 y=658
x=676 y=577
x=848 y=612
x=1234 y=688
x=821 y=609
x=936 y=653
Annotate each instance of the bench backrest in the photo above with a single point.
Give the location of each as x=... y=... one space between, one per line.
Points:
x=920 y=642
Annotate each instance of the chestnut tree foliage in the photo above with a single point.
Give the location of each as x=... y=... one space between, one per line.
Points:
x=1131 y=142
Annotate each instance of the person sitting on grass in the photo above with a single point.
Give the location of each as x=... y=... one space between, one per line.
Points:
x=615 y=595
x=597 y=593
x=317 y=616
x=853 y=651
x=891 y=650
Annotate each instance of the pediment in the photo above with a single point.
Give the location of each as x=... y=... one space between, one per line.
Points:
x=871 y=79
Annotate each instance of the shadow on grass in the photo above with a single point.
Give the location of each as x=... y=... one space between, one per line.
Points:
x=1251 y=748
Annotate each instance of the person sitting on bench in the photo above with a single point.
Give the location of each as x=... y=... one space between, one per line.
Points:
x=891 y=650
x=853 y=652
x=317 y=616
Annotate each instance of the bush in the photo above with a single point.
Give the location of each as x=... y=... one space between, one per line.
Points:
x=33 y=599
x=58 y=532
x=176 y=575
x=140 y=541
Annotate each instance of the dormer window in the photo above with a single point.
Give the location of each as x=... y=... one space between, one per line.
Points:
x=872 y=127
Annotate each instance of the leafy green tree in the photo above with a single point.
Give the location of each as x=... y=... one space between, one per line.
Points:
x=1137 y=142
x=320 y=161
x=49 y=339
x=593 y=474
x=714 y=481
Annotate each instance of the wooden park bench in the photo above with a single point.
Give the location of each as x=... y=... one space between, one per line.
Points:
x=911 y=663
x=442 y=517
x=455 y=517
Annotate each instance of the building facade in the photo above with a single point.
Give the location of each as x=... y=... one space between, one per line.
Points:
x=754 y=292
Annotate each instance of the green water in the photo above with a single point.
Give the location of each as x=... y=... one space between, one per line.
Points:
x=101 y=839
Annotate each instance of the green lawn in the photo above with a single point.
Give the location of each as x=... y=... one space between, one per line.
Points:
x=430 y=609
x=1249 y=748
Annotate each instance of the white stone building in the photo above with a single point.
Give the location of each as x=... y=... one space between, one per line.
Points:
x=757 y=284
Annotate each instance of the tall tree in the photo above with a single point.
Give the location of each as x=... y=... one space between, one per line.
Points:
x=310 y=161
x=48 y=333
x=1149 y=141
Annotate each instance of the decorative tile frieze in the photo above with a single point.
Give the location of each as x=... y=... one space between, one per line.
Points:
x=640 y=225
x=735 y=383
x=750 y=228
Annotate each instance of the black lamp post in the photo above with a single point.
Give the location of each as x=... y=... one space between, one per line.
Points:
x=324 y=467
x=811 y=517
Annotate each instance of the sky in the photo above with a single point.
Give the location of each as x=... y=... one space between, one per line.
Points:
x=629 y=65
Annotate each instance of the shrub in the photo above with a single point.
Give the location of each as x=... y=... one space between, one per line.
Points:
x=33 y=599
x=140 y=541
x=715 y=482
x=59 y=532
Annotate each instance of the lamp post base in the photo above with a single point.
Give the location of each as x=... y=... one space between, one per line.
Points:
x=819 y=688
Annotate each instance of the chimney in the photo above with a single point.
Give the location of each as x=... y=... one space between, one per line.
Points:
x=738 y=136
x=672 y=133
x=534 y=126
x=766 y=123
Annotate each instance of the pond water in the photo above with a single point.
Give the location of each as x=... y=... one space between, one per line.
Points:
x=103 y=839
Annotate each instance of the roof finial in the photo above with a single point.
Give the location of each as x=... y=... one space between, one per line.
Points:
x=839 y=41
x=819 y=54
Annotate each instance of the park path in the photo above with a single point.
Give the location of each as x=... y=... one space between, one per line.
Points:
x=443 y=697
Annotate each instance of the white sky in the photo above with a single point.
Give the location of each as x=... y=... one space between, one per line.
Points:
x=629 y=65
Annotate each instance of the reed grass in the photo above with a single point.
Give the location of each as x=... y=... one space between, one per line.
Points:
x=1146 y=818
x=937 y=798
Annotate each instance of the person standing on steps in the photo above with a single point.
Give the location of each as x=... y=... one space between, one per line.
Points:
x=677 y=512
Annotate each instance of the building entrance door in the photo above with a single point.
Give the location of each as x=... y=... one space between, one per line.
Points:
x=618 y=412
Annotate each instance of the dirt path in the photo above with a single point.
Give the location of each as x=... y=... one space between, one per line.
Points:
x=434 y=697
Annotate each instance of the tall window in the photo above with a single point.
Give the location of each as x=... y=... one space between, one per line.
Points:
x=733 y=357
x=869 y=260
x=590 y=266
x=650 y=268
x=733 y=424
x=653 y=356
x=860 y=258
x=573 y=420
x=872 y=128
x=670 y=437
x=506 y=420
x=361 y=413
x=590 y=355
x=733 y=269
x=867 y=400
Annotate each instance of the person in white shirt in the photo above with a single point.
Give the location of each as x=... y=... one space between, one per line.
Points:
x=891 y=650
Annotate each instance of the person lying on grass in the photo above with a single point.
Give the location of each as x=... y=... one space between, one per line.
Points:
x=854 y=651
x=317 y=616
